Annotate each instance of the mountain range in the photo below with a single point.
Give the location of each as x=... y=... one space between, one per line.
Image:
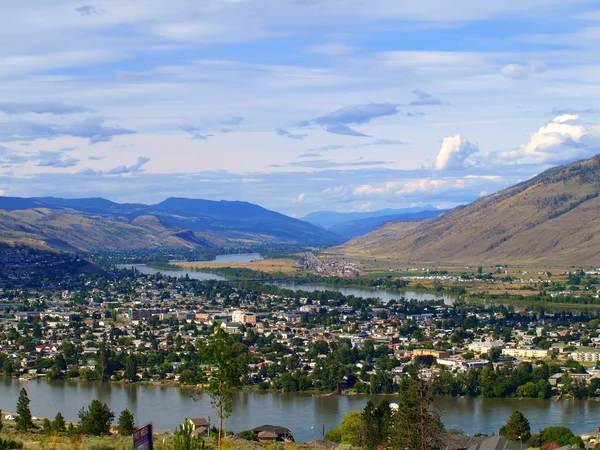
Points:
x=328 y=219
x=97 y=223
x=551 y=219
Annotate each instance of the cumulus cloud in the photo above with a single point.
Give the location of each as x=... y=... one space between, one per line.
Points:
x=564 y=138
x=519 y=71
x=92 y=128
x=287 y=134
x=425 y=99
x=195 y=132
x=424 y=185
x=338 y=121
x=137 y=167
x=56 y=108
x=455 y=153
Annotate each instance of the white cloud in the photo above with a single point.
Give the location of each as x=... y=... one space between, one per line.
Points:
x=300 y=198
x=424 y=185
x=366 y=190
x=455 y=153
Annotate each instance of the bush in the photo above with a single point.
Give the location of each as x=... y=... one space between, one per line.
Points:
x=8 y=443
x=249 y=435
x=334 y=435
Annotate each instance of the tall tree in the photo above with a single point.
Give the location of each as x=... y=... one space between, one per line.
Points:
x=517 y=428
x=131 y=369
x=230 y=367
x=23 y=420
x=96 y=419
x=58 y=424
x=1 y=425
x=126 y=423
x=416 y=423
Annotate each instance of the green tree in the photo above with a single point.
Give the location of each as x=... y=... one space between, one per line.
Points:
x=559 y=434
x=516 y=428
x=183 y=439
x=416 y=423
x=23 y=420
x=126 y=423
x=351 y=428
x=230 y=368
x=96 y=419
x=1 y=425
x=131 y=369
x=58 y=424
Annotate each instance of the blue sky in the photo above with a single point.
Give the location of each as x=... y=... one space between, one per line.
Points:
x=297 y=105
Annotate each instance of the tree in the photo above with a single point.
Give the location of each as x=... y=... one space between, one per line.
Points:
x=58 y=424
x=126 y=423
x=96 y=419
x=230 y=368
x=183 y=439
x=131 y=369
x=351 y=428
x=559 y=434
x=517 y=428
x=416 y=424
x=1 y=425
x=23 y=419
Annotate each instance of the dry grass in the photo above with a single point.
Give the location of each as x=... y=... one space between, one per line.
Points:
x=288 y=266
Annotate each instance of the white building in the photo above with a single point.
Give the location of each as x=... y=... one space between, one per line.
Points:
x=526 y=353
x=586 y=355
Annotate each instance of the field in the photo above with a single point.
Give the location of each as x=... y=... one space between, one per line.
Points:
x=287 y=266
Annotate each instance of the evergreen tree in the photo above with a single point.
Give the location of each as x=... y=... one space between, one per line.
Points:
x=131 y=369
x=517 y=428
x=23 y=420
x=96 y=419
x=58 y=424
x=416 y=423
x=126 y=423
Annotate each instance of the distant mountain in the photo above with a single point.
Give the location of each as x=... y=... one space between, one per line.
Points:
x=552 y=219
x=97 y=223
x=360 y=227
x=328 y=219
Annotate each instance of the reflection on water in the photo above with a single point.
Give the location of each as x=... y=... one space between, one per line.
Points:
x=166 y=407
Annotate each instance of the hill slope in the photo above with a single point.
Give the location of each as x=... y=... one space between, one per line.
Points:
x=360 y=227
x=90 y=224
x=552 y=219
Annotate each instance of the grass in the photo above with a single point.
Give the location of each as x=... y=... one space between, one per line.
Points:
x=287 y=266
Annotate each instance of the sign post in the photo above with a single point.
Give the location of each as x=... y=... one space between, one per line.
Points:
x=142 y=438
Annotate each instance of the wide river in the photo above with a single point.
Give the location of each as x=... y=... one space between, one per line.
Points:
x=383 y=294
x=166 y=407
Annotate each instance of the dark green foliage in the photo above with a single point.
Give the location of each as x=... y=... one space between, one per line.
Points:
x=23 y=420
x=58 y=424
x=8 y=443
x=249 y=435
x=96 y=419
x=517 y=428
x=126 y=423
x=183 y=439
x=561 y=435
x=416 y=423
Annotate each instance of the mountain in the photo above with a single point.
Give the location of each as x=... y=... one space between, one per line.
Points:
x=328 y=219
x=551 y=219
x=360 y=227
x=96 y=223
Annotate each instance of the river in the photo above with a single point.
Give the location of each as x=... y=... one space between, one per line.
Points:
x=166 y=407
x=383 y=294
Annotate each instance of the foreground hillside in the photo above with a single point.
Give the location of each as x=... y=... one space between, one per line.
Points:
x=552 y=219
x=93 y=224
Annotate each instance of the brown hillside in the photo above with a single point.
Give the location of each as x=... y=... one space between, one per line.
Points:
x=74 y=231
x=552 y=219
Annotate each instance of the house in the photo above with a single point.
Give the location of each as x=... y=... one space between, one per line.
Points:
x=496 y=443
x=267 y=433
x=200 y=426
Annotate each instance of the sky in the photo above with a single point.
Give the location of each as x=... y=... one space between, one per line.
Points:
x=296 y=105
